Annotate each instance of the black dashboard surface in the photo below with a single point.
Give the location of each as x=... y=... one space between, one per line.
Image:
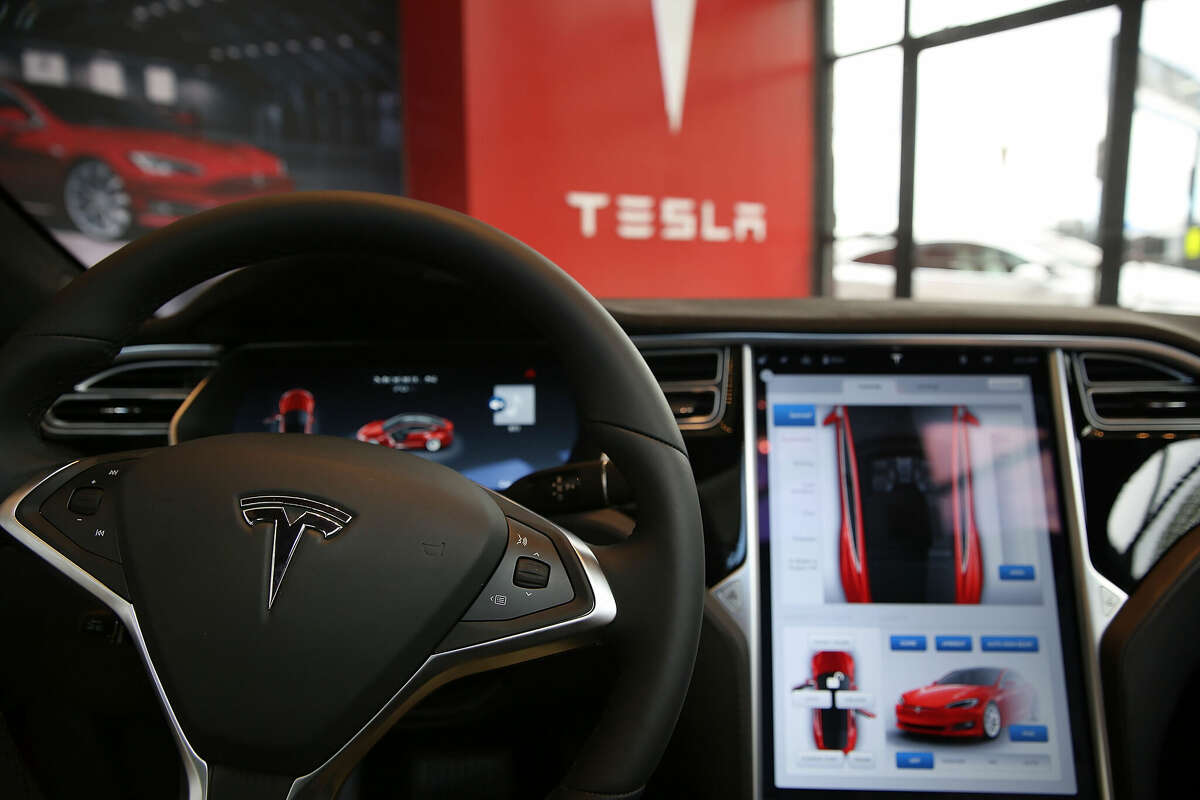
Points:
x=232 y=311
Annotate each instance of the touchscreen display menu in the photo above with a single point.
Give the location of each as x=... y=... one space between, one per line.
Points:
x=914 y=633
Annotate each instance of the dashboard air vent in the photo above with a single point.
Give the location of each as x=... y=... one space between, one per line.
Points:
x=694 y=381
x=137 y=396
x=684 y=366
x=1114 y=368
x=1131 y=393
x=1163 y=404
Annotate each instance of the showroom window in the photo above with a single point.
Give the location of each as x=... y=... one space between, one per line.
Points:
x=1038 y=152
x=1162 y=235
x=945 y=150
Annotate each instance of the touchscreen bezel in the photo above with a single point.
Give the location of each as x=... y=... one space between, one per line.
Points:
x=830 y=358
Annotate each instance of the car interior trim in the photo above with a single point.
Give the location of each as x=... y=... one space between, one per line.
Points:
x=173 y=425
x=168 y=350
x=1098 y=597
x=129 y=365
x=738 y=591
x=751 y=566
x=1145 y=347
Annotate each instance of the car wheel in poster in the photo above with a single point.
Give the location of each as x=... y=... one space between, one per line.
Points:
x=96 y=201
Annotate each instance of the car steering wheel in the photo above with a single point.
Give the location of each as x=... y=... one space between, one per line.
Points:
x=393 y=564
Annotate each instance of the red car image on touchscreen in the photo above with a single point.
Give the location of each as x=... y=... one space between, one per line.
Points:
x=887 y=460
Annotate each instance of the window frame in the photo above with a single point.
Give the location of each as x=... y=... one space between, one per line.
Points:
x=1122 y=89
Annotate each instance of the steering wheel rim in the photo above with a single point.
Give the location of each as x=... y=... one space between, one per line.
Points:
x=656 y=576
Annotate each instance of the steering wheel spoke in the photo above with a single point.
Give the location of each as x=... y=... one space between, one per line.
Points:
x=492 y=635
x=69 y=517
x=548 y=588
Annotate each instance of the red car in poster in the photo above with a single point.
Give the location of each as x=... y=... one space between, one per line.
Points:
x=297 y=412
x=976 y=702
x=409 y=432
x=834 y=728
x=111 y=164
x=852 y=552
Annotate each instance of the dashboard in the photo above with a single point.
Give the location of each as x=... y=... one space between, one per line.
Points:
x=916 y=541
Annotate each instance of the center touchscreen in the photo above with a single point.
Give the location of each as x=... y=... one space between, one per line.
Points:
x=914 y=632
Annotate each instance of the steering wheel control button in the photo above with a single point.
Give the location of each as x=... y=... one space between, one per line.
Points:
x=83 y=510
x=530 y=578
x=531 y=573
x=85 y=501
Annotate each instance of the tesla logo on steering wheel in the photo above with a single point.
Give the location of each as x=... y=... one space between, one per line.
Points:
x=290 y=516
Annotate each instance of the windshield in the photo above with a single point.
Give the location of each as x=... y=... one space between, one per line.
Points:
x=80 y=107
x=978 y=676
x=1013 y=151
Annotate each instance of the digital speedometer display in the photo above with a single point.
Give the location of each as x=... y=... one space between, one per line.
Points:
x=492 y=415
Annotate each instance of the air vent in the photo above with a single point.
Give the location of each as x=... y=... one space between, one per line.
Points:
x=135 y=397
x=694 y=382
x=75 y=409
x=692 y=403
x=1113 y=368
x=702 y=366
x=1129 y=393
x=1160 y=405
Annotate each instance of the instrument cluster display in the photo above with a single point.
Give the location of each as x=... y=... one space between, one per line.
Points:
x=493 y=416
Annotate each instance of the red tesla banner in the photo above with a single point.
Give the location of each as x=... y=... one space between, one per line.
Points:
x=649 y=147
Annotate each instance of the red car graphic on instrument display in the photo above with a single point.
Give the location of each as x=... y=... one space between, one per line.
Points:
x=834 y=728
x=899 y=459
x=974 y=702
x=409 y=432
x=111 y=164
x=297 y=412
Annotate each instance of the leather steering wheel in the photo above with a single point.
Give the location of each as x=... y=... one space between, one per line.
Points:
x=390 y=555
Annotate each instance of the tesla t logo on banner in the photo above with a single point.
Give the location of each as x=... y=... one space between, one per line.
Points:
x=640 y=216
x=641 y=144
x=637 y=214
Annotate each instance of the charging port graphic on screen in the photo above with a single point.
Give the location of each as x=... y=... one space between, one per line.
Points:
x=513 y=405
